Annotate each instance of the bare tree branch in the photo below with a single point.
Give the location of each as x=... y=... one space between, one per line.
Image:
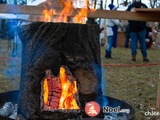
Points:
x=152 y=3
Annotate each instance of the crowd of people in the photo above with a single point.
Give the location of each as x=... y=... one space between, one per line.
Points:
x=134 y=31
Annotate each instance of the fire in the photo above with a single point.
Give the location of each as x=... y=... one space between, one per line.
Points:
x=81 y=16
x=45 y=86
x=48 y=15
x=59 y=92
x=62 y=16
x=67 y=100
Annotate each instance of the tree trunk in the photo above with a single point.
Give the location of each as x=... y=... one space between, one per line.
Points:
x=48 y=46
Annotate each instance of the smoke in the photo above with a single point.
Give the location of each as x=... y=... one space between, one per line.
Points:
x=101 y=99
x=103 y=85
x=12 y=69
x=13 y=57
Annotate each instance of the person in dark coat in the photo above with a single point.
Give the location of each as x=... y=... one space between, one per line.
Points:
x=137 y=31
x=127 y=36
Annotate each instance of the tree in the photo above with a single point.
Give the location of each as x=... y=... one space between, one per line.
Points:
x=112 y=1
x=125 y=2
x=153 y=3
x=3 y=1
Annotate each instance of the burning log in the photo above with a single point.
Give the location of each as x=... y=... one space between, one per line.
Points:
x=59 y=92
x=49 y=46
x=51 y=91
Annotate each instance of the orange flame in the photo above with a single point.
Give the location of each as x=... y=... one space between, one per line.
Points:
x=67 y=94
x=66 y=11
x=67 y=100
x=63 y=15
x=81 y=16
x=45 y=86
x=48 y=14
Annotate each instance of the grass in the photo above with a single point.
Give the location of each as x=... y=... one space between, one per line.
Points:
x=136 y=85
x=9 y=69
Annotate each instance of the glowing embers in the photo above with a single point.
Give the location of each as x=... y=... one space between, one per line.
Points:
x=59 y=92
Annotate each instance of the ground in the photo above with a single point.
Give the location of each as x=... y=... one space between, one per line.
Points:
x=133 y=82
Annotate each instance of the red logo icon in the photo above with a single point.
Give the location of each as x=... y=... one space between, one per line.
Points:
x=92 y=109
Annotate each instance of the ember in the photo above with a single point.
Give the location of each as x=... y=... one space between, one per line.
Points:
x=59 y=92
x=51 y=91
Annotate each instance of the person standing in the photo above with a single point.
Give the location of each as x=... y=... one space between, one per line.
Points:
x=149 y=40
x=127 y=36
x=112 y=29
x=137 y=31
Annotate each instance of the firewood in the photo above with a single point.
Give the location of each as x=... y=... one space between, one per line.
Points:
x=84 y=77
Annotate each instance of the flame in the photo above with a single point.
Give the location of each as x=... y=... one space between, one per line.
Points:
x=45 y=89
x=81 y=16
x=62 y=16
x=67 y=100
x=68 y=91
x=47 y=15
